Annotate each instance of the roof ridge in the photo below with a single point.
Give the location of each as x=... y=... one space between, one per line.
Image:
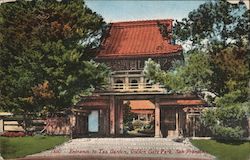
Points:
x=141 y=21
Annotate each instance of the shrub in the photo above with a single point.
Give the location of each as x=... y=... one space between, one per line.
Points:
x=137 y=124
x=128 y=116
x=147 y=129
x=231 y=115
x=128 y=127
x=209 y=118
x=225 y=122
x=228 y=132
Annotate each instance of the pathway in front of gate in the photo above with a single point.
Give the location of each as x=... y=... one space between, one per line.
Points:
x=123 y=148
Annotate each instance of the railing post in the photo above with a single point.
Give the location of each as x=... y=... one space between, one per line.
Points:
x=141 y=84
x=126 y=84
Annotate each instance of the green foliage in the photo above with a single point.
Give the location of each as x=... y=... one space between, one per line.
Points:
x=229 y=98
x=209 y=117
x=215 y=22
x=228 y=133
x=220 y=29
x=164 y=30
x=138 y=124
x=52 y=42
x=231 y=68
x=231 y=116
x=246 y=107
x=153 y=71
x=193 y=76
x=128 y=116
x=225 y=121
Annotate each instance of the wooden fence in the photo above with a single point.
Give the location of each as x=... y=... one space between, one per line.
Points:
x=15 y=125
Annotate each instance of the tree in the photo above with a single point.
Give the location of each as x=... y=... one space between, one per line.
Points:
x=192 y=76
x=220 y=29
x=215 y=22
x=218 y=61
x=45 y=52
x=231 y=68
x=128 y=117
x=225 y=121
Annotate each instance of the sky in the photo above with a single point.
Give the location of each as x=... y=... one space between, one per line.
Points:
x=127 y=10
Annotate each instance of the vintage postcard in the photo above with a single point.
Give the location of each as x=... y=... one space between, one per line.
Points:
x=128 y=79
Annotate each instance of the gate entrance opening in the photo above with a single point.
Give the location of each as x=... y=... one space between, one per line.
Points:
x=93 y=121
x=138 y=118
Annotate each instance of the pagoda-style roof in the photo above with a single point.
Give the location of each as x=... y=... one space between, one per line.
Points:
x=141 y=104
x=138 y=38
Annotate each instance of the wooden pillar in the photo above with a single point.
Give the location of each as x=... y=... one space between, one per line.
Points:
x=100 y=123
x=121 y=118
x=181 y=122
x=112 y=115
x=105 y=122
x=177 y=121
x=186 y=124
x=193 y=118
x=157 y=118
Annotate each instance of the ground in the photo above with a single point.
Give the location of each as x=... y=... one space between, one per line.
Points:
x=13 y=147
x=123 y=148
x=225 y=150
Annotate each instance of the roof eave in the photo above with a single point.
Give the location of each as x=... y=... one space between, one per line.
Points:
x=112 y=56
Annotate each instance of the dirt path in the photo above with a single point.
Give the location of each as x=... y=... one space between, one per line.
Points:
x=123 y=148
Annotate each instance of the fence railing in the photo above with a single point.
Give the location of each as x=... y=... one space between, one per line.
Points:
x=137 y=87
x=12 y=125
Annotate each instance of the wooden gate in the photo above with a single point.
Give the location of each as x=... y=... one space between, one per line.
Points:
x=169 y=122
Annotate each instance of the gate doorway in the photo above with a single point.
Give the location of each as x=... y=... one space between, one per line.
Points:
x=138 y=118
x=171 y=121
x=93 y=121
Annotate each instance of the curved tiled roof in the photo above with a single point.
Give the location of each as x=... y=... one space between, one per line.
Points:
x=141 y=104
x=137 y=38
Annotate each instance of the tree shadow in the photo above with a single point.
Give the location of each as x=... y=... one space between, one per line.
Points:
x=231 y=142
